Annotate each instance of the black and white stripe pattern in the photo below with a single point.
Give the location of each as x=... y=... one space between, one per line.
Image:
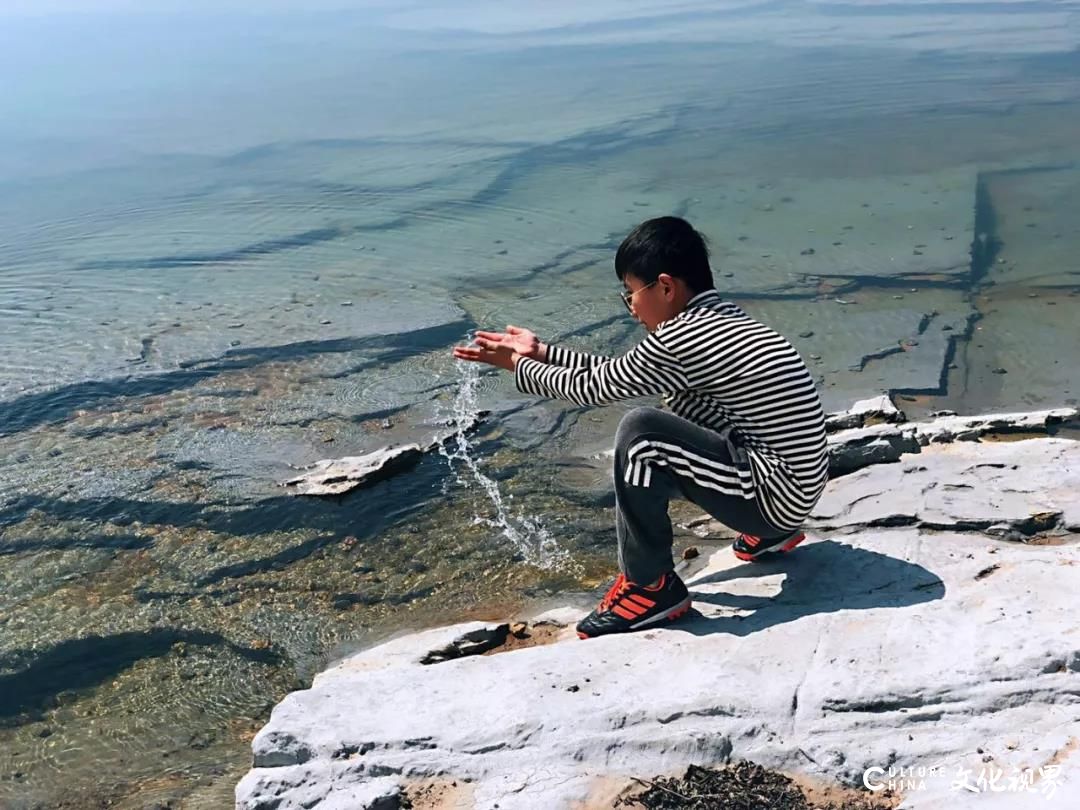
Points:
x=645 y=454
x=716 y=366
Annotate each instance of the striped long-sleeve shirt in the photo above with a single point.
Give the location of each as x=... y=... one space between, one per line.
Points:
x=716 y=366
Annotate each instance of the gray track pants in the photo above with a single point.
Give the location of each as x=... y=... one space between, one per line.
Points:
x=655 y=455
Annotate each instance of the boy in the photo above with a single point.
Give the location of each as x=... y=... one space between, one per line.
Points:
x=743 y=435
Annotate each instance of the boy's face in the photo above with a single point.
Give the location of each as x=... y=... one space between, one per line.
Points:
x=652 y=304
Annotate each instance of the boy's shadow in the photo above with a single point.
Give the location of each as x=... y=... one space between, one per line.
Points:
x=822 y=577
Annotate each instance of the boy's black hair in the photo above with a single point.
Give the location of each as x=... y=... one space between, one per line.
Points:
x=665 y=245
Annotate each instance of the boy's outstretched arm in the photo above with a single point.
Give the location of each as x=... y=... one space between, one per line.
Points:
x=649 y=368
x=525 y=342
x=571 y=358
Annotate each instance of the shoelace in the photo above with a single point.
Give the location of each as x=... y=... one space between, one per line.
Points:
x=621 y=586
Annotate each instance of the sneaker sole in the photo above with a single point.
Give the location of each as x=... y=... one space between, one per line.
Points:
x=671 y=614
x=788 y=546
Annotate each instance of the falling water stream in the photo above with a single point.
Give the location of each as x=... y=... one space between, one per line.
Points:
x=530 y=537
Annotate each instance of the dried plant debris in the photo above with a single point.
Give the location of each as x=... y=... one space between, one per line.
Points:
x=739 y=786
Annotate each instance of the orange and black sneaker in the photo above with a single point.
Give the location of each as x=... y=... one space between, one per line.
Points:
x=628 y=606
x=750 y=548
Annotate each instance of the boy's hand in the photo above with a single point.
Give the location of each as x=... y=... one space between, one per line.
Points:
x=503 y=349
x=498 y=355
x=522 y=341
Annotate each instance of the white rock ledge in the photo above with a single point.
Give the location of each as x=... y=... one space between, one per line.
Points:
x=906 y=631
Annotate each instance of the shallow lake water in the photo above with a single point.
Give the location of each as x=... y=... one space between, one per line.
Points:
x=232 y=244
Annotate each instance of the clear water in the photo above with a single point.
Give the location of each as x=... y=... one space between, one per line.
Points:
x=236 y=239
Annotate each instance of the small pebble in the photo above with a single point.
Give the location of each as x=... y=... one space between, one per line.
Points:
x=324 y=321
x=806 y=334
x=807 y=252
x=235 y=325
x=1000 y=371
x=346 y=303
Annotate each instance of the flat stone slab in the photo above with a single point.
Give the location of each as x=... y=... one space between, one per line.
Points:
x=1007 y=489
x=1025 y=350
x=877 y=439
x=869 y=646
x=1035 y=221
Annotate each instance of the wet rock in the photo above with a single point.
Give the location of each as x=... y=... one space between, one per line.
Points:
x=341 y=475
x=344 y=601
x=337 y=476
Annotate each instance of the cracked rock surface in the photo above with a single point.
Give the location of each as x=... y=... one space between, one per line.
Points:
x=906 y=631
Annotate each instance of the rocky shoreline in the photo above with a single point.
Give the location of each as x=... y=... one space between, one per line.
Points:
x=926 y=624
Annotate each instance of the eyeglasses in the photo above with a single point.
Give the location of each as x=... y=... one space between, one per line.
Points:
x=627 y=297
